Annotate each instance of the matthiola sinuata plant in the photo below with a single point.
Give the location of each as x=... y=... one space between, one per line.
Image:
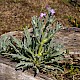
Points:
x=37 y=49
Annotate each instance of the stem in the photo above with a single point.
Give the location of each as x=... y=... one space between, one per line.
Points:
x=40 y=48
x=73 y=77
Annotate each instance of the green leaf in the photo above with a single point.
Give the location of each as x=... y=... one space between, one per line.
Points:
x=4 y=43
x=36 y=70
x=12 y=45
x=23 y=65
x=16 y=41
x=27 y=37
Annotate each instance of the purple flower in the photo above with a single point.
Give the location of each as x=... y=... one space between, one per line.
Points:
x=47 y=7
x=42 y=15
x=52 y=11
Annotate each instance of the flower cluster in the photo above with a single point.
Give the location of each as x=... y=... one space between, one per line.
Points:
x=52 y=12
